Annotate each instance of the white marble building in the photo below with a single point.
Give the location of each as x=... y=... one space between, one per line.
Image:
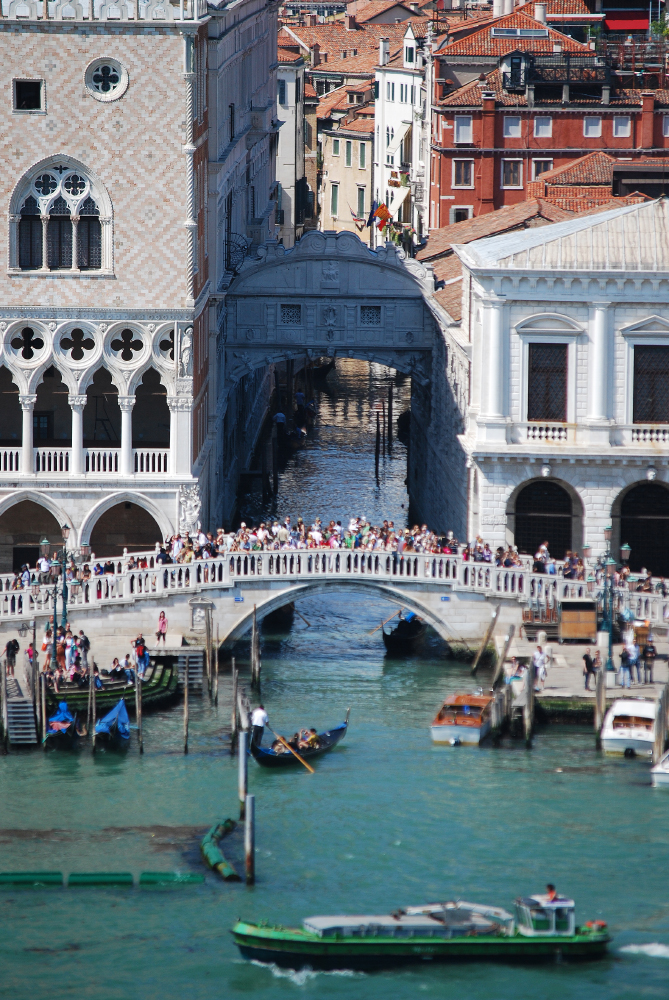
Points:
x=567 y=428
x=123 y=176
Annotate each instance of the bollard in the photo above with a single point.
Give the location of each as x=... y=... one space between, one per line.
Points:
x=250 y=839
x=243 y=778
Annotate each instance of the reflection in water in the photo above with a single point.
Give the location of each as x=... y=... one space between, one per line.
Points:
x=333 y=475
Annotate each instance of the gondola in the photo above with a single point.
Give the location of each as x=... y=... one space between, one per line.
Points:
x=403 y=639
x=62 y=731
x=326 y=741
x=114 y=729
x=322 y=371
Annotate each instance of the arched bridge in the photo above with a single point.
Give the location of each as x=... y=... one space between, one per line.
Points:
x=456 y=597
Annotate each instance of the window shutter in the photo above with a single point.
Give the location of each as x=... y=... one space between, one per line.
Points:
x=547 y=382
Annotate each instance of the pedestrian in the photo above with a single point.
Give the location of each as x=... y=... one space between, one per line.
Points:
x=259 y=720
x=625 y=668
x=649 y=654
x=635 y=661
x=10 y=651
x=162 y=628
x=539 y=669
x=141 y=655
x=588 y=668
x=84 y=647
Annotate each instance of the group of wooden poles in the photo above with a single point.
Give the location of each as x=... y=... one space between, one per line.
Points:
x=384 y=430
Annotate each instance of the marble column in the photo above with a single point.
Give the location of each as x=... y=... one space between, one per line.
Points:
x=126 y=404
x=599 y=362
x=181 y=434
x=493 y=345
x=27 y=405
x=77 y=404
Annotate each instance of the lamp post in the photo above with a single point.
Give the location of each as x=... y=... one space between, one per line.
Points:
x=607 y=565
x=58 y=566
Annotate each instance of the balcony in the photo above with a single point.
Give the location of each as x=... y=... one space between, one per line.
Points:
x=53 y=461
x=543 y=432
x=558 y=68
x=640 y=435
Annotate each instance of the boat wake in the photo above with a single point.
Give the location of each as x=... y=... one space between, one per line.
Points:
x=303 y=976
x=653 y=950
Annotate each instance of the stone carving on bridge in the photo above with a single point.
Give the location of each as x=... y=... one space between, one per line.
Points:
x=190 y=504
x=186 y=353
x=330 y=270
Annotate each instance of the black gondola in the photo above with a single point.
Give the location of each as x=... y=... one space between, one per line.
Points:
x=114 y=728
x=403 y=639
x=322 y=371
x=326 y=741
x=281 y=618
x=63 y=729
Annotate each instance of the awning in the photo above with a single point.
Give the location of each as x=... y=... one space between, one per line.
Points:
x=396 y=141
x=399 y=194
x=629 y=22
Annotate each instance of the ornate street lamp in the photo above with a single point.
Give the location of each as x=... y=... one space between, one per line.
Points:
x=625 y=552
x=45 y=547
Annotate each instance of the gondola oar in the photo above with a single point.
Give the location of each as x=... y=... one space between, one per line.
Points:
x=385 y=622
x=288 y=746
x=303 y=618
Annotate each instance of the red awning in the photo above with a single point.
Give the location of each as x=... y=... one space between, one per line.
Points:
x=629 y=22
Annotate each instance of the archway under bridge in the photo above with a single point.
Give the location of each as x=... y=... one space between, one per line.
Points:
x=330 y=294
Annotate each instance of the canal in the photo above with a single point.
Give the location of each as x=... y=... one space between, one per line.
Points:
x=386 y=820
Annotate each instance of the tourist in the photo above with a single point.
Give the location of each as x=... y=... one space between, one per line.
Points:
x=162 y=629
x=539 y=669
x=10 y=651
x=141 y=655
x=588 y=668
x=649 y=654
x=625 y=668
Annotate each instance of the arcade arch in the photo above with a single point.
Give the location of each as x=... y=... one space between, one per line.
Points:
x=22 y=527
x=643 y=514
x=545 y=510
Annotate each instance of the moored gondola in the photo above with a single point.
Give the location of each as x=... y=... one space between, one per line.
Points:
x=326 y=741
x=404 y=638
x=114 y=729
x=62 y=731
x=322 y=371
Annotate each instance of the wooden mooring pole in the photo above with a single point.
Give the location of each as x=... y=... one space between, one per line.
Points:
x=486 y=638
x=216 y=667
x=43 y=707
x=138 y=710
x=93 y=713
x=528 y=707
x=186 y=673
x=390 y=418
x=250 y=839
x=377 y=449
x=210 y=671
x=3 y=707
x=243 y=773
x=600 y=702
x=233 y=719
x=499 y=668
x=275 y=459
x=254 y=649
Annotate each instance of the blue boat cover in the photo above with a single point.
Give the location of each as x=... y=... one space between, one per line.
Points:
x=117 y=717
x=60 y=722
x=409 y=616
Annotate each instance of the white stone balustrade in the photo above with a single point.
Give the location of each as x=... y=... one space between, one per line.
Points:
x=415 y=570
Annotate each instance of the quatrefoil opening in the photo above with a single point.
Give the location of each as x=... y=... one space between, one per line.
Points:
x=78 y=343
x=126 y=345
x=28 y=343
x=167 y=345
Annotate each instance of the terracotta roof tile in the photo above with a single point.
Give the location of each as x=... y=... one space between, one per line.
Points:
x=375 y=7
x=334 y=39
x=309 y=91
x=285 y=55
x=490 y=224
x=595 y=168
x=483 y=43
x=578 y=8
x=362 y=125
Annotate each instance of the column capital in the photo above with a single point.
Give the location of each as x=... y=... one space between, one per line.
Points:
x=180 y=403
x=125 y=403
x=77 y=402
x=27 y=400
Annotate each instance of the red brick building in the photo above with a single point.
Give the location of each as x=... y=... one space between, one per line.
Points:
x=549 y=100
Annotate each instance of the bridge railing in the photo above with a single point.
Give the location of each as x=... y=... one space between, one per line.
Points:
x=435 y=569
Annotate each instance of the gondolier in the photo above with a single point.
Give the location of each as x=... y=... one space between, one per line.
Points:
x=259 y=720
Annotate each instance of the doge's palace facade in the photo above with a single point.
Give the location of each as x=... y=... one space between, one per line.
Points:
x=108 y=321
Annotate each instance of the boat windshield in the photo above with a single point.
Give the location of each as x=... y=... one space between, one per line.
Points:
x=629 y=721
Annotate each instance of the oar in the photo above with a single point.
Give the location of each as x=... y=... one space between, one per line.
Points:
x=385 y=622
x=301 y=759
x=303 y=618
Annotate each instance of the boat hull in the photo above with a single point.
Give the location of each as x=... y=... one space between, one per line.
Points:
x=660 y=779
x=619 y=744
x=267 y=759
x=297 y=949
x=160 y=690
x=465 y=734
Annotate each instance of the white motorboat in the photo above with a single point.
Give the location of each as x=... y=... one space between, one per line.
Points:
x=660 y=773
x=629 y=727
x=463 y=718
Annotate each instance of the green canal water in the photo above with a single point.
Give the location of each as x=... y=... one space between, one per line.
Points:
x=386 y=820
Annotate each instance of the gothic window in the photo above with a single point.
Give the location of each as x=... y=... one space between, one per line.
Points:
x=547 y=382
x=59 y=206
x=126 y=345
x=106 y=80
x=30 y=236
x=27 y=343
x=89 y=237
x=78 y=343
x=59 y=237
x=651 y=385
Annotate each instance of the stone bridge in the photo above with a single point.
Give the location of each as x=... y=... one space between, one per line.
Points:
x=456 y=597
x=328 y=294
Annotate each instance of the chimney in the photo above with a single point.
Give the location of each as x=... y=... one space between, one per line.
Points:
x=311 y=20
x=540 y=12
x=350 y=22
x=497 y=8
x=384 y=51
x=315 y=55
x=508 y=6
x=414 y=6
x=647 y=108
x=606 y=93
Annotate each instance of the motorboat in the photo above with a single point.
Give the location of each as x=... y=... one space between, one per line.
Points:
x=463 y=718
x=629 y=727
x=541 y=929
x=660 y=772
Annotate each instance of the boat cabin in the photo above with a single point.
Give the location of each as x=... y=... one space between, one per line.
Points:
x=444 y=922
x=539 y=915
x=463 y=710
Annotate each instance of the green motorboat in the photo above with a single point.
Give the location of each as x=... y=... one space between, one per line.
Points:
x=542 y=930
